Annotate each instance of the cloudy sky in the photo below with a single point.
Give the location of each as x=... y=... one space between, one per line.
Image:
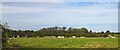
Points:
x=96 y=16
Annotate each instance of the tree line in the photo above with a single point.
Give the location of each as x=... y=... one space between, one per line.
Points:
x=55 y=31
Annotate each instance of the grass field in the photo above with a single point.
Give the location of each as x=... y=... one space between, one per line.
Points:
x=66 y=42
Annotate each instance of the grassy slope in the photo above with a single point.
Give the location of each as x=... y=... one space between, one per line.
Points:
x=66 y=42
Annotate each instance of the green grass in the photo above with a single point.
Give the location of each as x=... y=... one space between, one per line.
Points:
x=66 y=42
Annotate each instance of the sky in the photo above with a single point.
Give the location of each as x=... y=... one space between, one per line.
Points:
x=94 y=15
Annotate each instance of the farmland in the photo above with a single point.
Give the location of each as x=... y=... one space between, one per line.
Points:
x=65 y=42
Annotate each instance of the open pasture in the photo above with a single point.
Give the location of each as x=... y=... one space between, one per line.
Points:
x=65 y=42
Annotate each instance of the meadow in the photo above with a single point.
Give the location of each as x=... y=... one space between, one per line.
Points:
x=65 y=42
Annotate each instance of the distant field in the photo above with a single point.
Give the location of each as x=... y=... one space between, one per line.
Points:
x=66 y=42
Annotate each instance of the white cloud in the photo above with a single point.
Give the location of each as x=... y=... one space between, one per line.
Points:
x=15 y=10
x=32 y=16
x=88 y=14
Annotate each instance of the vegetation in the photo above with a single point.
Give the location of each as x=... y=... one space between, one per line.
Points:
x=57 y=31
x=31 y=42
x=65 y=43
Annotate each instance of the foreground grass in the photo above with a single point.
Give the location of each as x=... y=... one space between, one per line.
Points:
x=66 y=42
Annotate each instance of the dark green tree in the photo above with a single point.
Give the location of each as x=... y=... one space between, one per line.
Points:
x=84 y=30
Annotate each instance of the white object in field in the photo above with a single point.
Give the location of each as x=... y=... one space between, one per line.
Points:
x=111 y=36
x=73 y=36
x=10 y=38
x=61 y=37
x=37 y=36
x=107 y=37
x=8 y=41
x=18 y=36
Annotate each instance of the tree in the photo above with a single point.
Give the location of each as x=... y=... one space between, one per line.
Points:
x=5 y=25
x=108 y=31
x=70 y=28
x=56 y=28
x=5 y=30
x=83 y=30
x=63 y=28
x=102 y=31
x=90 y=31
